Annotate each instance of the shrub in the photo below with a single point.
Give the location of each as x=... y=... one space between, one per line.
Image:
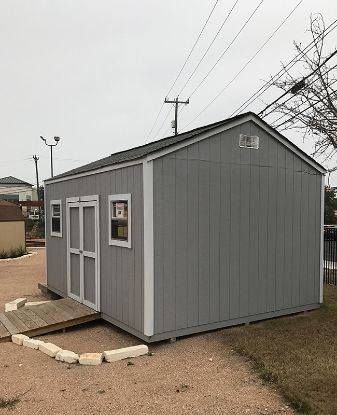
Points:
x=13 y=253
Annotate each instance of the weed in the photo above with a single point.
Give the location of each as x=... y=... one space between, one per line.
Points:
x=182 y=388
x=13 y=253
x=9 y=403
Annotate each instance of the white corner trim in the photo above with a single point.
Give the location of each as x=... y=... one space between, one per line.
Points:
x=148 y=249
x=322 y=243
x=56 y=202
x=117 y=242
x=46 y=235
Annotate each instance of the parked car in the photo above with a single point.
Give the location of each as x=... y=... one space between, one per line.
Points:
x=330 y=232
x=34 y=214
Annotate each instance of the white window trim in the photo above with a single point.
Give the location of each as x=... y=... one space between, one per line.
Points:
x=55 y=202
x=113 y=198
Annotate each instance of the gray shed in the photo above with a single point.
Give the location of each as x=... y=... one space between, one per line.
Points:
x=214 y=227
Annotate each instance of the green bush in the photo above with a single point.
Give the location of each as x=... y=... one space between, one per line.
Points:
x=13 y=253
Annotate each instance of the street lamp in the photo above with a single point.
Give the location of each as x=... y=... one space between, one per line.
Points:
x=57 y=139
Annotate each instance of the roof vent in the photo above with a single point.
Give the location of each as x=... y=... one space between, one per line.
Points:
x=249 y=141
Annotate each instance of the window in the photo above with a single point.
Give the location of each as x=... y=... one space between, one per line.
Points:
x=120 y=220
x=249 y=141
x=56 y=218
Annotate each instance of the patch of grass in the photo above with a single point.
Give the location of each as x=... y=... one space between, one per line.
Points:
x=298 y=354
x=9 y=403
x=13 y=253
x=182 y=388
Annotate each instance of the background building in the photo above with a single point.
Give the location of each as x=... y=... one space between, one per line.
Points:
x=16 y=190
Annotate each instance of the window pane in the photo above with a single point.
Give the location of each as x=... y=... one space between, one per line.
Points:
x=56 y=225
x=119 y=229
x=119 y=220
x=56 y=210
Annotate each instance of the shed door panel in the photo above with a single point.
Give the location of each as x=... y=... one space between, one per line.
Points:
x=74 y=251
x=75 y=274
x=89 y=228
x=83 y=276
x=89 y=253
x=74 y=227
x=89 y=279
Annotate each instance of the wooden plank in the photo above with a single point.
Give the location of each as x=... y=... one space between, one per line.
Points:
x=57 y=326
x=18 y=323
x=39 y=311
x=59 y=313
x=74 y=305
x=38 y=320
x=3 y=331
x=65 y=311
x=84 y=309
x=25 y=318
x=73 y=308
x=47 y=309
x=8 y=324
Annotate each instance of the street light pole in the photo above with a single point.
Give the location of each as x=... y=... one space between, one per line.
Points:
x=57 y=140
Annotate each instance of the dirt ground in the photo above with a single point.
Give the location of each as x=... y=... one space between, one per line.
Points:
x=196 y=375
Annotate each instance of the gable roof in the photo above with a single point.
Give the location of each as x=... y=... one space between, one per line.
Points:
x=153 y=147
x=8 y=180
x=10 y=212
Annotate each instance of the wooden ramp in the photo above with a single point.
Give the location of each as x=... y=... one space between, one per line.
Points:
x=44 y=318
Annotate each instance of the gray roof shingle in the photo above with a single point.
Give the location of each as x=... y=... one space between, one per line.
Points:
x=141 y=151
x=13 y=180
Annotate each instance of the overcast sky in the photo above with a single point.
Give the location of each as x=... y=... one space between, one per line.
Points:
x=95 y=73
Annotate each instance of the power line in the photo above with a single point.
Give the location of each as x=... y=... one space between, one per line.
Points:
x=248 y=62
x=291 y=97
x=287 y=67
x=299 y=113
x=209 y=47
x=162 y=124
x=226 y=50
x=183 y=66
x=193 y=47
x=302 y=80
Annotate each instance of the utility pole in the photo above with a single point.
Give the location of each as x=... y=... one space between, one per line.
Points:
x=36 y=158
x=176 y=102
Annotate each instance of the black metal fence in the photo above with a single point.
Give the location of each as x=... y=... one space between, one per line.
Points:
x=330 y=255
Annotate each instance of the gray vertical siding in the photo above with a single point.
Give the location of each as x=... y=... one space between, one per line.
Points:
x=121 y=268
x=236 y=231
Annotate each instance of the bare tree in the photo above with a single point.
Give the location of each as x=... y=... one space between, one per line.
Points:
x=311 y=101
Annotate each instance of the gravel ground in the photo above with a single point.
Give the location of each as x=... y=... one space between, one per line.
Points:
x=195 y=375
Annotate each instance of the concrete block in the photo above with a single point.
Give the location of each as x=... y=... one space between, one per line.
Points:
x=125 y=353
x=15 y=304
x=19 y=338
x=67 y=356
x=33 y=344
x=91 y=359
x=50 y=349
x=28 y=303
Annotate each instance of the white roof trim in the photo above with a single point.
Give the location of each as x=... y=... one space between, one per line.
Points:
x=288 y=144
x=96 y=171
x=234 y=123
x=196 y=139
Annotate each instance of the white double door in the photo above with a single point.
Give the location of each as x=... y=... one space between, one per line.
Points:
x=83 y=250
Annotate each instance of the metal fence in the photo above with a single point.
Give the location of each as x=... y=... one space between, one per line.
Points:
x=330 y=255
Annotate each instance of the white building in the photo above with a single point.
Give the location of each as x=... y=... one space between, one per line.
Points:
x=16 y=190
